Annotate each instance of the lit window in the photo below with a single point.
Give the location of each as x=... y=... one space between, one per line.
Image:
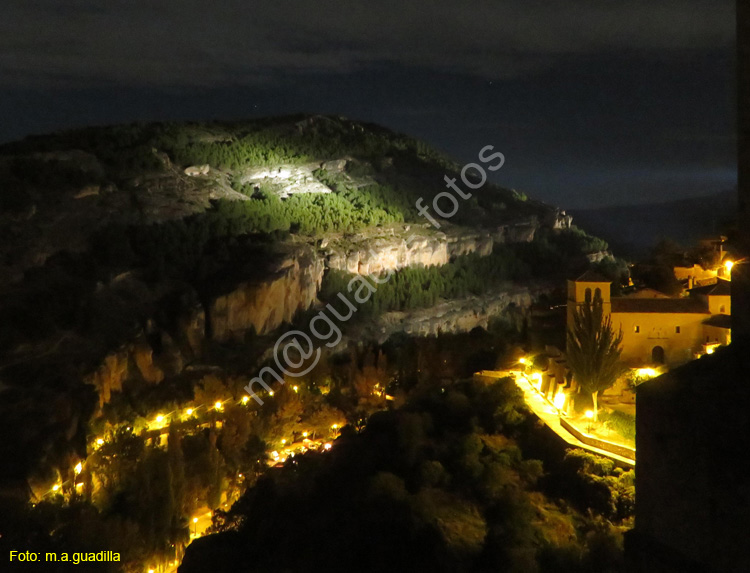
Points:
x=677 y=330
x=636 y=329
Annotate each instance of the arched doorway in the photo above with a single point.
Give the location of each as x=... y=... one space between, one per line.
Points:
x=657 y=355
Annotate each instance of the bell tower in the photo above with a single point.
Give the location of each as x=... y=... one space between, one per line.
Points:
x=590 y=286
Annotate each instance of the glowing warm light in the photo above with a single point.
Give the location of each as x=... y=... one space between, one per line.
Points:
x=295 y=388
x=79 y=485
x=270 y=392
x=327 y=446
x=304 y=434
x=78 y=468
x=589 y=414
x=559 y=400
x=283 y=442
x=522 y=360
x=245 y=399
x=710 y=350
x=55 y=487
x=647 y=372
x=195 y=520
x=159 y=419
x=150 y=571
x=335 y=426
x=189 y=411
x=99 y=441
x=728 y=265
x=217 y=405
x=536 y=376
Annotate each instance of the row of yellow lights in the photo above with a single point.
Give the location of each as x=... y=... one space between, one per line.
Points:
x=218 y=405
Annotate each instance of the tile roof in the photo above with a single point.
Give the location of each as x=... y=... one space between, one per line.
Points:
x=720 y=321
x=656 y=305
x=719 y=288
x=592 y=277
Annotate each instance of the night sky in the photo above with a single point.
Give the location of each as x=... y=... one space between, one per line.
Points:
x=593 y=103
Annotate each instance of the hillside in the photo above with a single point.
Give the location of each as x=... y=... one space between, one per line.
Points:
x=337 y=175
x=147 y=271
x=101 y=226
x=634 y=229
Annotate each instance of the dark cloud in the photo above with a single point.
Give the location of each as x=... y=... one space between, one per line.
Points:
x=202 y=43
x=591 y=101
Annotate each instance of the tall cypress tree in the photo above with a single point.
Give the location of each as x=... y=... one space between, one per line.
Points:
x=594 y=350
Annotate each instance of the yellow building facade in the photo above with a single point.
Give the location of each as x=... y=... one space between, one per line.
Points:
x=657 y=329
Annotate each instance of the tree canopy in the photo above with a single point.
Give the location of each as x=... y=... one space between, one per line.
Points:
x=594 y=349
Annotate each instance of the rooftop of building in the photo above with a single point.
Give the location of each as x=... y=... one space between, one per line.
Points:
x=720 y=288
x=719 y=321
x=658 y=305
x=646 y=293
x=592 y=277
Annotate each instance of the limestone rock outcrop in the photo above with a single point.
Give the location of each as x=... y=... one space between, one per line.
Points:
x=455 y=316
x=111 y=375
x=375 y=255
x=520 y=232
x=285 y=180
x=196 y=170
x=267 y=303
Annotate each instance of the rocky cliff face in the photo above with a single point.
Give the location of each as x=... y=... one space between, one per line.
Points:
x=455 y=316
x=265 y=304
x=136 y=361
x=139 y=361
x=520 y=232
x=403 y=248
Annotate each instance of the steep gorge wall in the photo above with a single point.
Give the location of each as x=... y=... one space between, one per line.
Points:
x=380 y=254
x=293 y=285
x=456 y=316
x=266 y=304
x=138 y=360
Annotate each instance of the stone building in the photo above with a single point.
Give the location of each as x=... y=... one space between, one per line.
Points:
x=658 y=329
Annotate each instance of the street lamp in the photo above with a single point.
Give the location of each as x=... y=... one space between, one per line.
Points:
x=589 y=416
x=195 y=527
x=559 y=402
